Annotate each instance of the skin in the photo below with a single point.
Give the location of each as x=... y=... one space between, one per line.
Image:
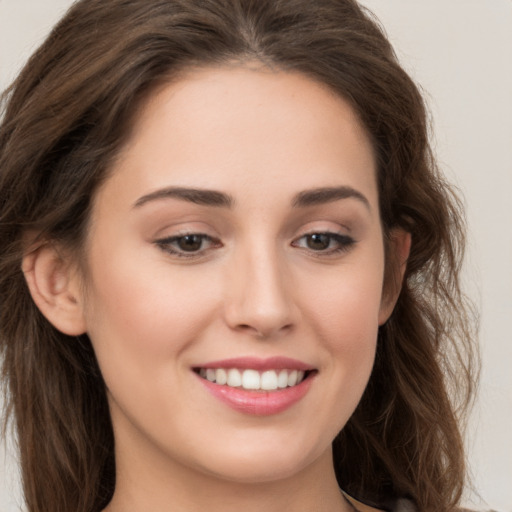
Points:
x=256 y=286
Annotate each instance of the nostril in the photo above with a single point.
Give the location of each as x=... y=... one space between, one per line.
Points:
x=262 y=331
x=252 y=330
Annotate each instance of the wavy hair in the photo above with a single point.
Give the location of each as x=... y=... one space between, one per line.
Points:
x=64 y=120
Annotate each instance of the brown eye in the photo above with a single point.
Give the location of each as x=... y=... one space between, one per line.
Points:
x=190 y=243
x=325 y=244
x=318 y=241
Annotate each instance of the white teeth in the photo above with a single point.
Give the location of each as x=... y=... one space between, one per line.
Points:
x=221 y=376
x=268 y=380
x=234 y=378
x=282 y=379
x=251 y=379
x=292 y=378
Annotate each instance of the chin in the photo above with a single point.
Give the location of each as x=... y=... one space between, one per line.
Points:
x=258 y=466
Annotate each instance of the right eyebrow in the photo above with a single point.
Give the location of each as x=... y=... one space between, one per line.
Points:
x=193 y=195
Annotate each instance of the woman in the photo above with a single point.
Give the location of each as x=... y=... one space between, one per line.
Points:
x=229 y=267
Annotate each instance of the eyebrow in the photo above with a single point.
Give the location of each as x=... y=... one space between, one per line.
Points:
x=193 y=195
x=324 y=195
x=206 y=197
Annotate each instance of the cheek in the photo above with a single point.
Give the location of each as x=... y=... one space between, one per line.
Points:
x=347 y=306
x=348 y=328
x=343 y=313
x=140 y=313
x=141 y=325
x=342 y=317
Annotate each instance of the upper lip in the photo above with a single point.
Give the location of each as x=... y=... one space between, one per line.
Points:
x=260 y=364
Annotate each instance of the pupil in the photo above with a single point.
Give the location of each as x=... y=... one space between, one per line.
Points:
x=318 y=241
x=190 y=243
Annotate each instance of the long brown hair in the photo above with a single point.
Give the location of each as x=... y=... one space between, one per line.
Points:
x=65 y=119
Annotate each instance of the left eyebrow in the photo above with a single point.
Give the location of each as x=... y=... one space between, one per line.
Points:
x=193 y=195
x=328 y=195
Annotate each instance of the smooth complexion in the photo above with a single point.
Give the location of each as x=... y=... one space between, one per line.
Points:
x=239 y=230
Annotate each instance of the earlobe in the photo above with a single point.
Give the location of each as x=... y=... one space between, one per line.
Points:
x=55 y=289
x=396 y=264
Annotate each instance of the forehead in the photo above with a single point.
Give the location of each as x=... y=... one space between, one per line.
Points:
x=241 y=129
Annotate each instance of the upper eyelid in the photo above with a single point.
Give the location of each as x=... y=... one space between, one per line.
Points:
x=192 y=232
x=172 y=238
x=348 y=240
x=333 y=234
x=343 y=245
x=324 y=222
x=183 y=234
x=330 y=232
x=204 y=254
x=164 y=244
x=220 y=227
x=170 y=233
x=327 y=231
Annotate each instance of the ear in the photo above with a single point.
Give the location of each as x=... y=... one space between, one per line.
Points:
x=397 y=253
x=54 y=285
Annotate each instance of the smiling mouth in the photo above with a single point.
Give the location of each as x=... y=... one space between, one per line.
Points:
x=254 y=380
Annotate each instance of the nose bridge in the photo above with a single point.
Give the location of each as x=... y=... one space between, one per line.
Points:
x=259 y=301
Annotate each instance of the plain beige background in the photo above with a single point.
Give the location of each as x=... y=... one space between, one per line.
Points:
x=460 y=51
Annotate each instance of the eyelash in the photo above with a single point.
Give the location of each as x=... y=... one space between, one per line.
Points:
x=166 y=244
x=344 y=243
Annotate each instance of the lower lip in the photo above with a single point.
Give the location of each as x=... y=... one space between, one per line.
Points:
x=259 y=403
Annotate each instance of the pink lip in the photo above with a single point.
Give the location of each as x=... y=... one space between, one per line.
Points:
x=259 y=403
x=255 y=363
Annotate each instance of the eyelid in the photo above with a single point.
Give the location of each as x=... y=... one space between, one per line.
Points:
x=342 y=243
x=164 y=244
x=345 y=243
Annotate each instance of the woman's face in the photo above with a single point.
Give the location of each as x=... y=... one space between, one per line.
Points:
x=238 y=238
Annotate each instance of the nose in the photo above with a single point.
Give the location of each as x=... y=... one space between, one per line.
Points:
x=259 y=300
